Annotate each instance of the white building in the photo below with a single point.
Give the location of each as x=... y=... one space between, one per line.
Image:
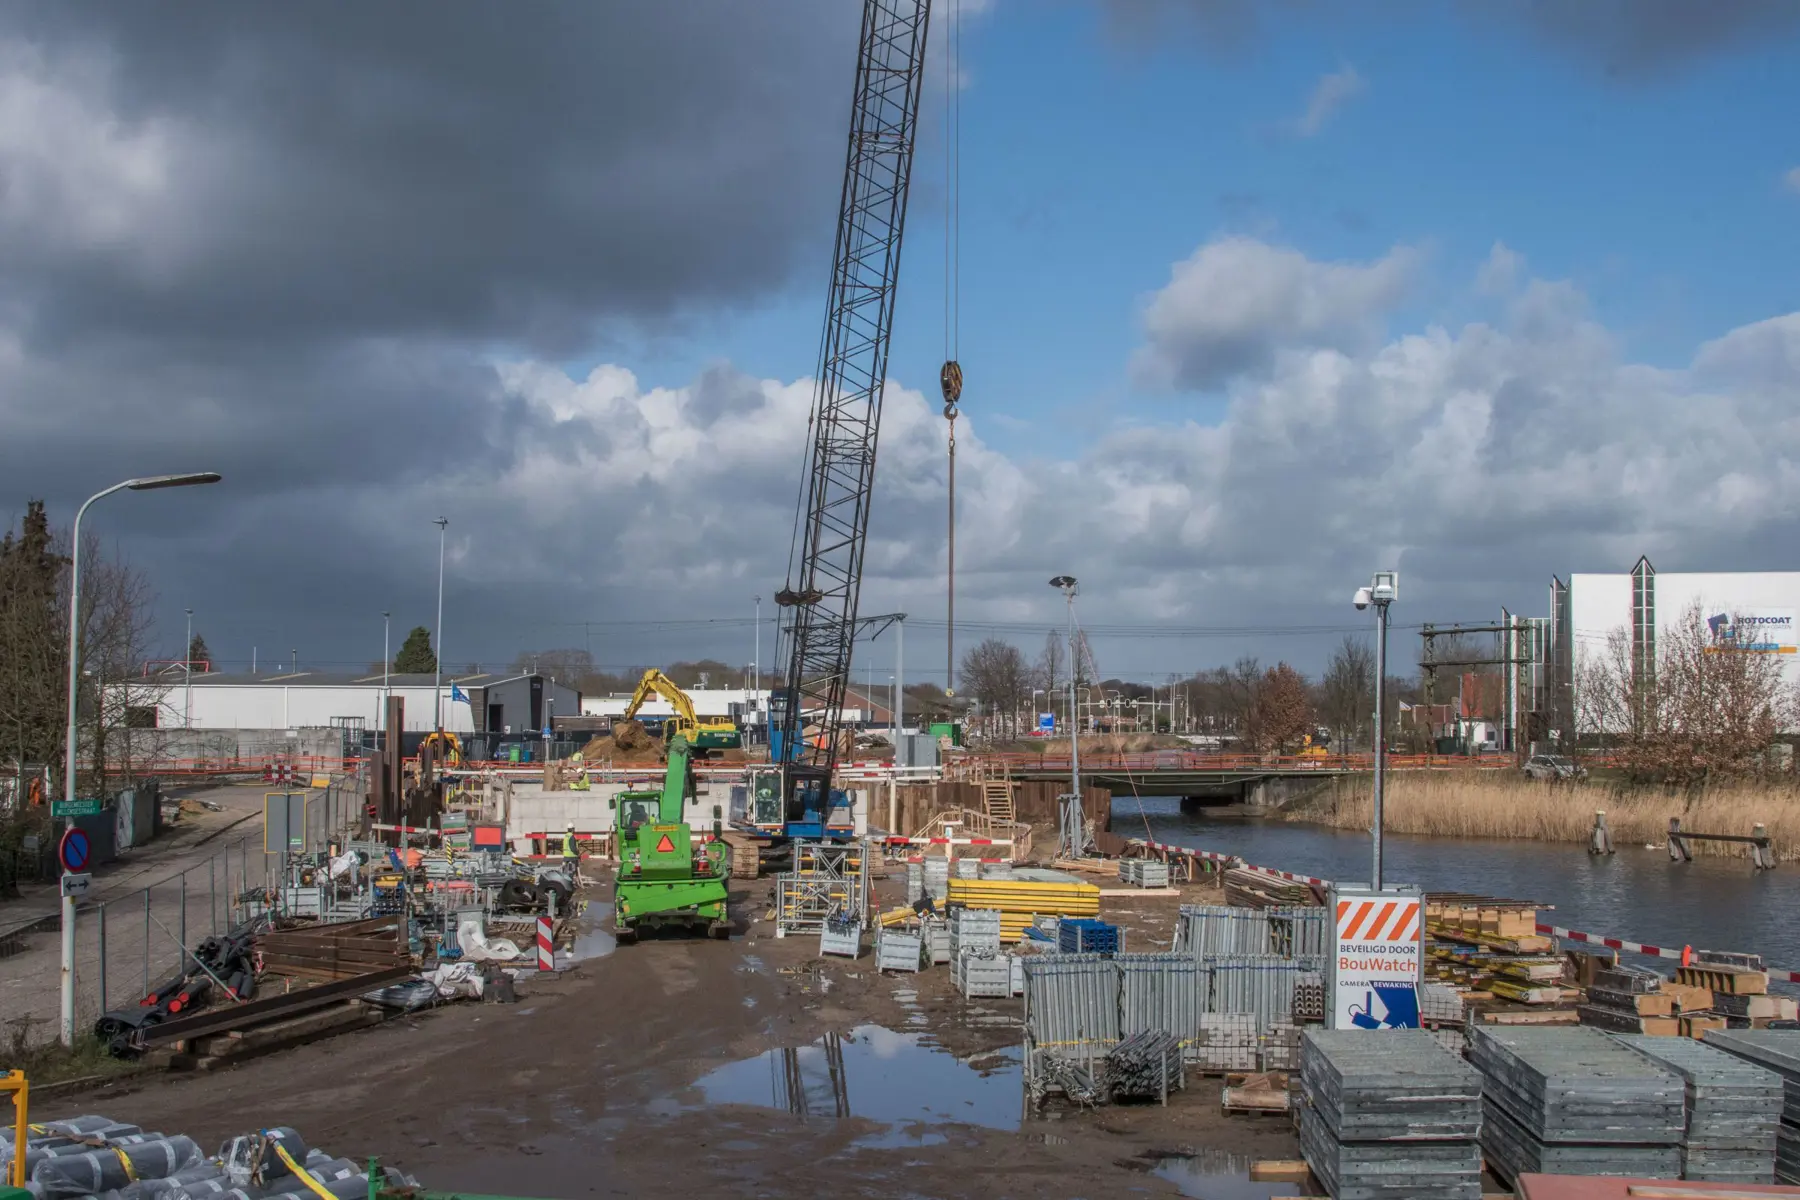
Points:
x=486 y=702
x=1746 y=611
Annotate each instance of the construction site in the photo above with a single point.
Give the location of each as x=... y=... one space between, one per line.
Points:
x=668 y=962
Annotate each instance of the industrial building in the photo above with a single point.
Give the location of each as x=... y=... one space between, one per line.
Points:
x=486 y=702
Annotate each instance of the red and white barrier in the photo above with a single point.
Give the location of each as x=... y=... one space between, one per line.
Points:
x=546 y=948
x=1231 y=860
x=403 y=828
x=944 y=841
x=1612 y=943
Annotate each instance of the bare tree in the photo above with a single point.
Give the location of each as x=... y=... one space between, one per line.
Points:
x=1701 y=711
x=1347 y=692
x=996 y=673
x=1050 y=661
x=130 y=712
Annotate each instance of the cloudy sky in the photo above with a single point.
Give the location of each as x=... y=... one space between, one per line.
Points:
x=1255 y=298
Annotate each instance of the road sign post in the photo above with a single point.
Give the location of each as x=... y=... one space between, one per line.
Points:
x=75 y=808
x=75 y=853
x=1377 y=958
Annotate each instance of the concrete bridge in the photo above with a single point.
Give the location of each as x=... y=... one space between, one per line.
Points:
x=1221 y=779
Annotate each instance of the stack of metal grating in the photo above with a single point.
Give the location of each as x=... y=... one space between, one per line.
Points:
x=981 y=974
x=1389 y=1114
x=1160 y=991
x=974 y=930
x=937 y=878
x=1085 y=935
x=898 y=949
x=915 y=882
x=1777 y=1050
x=1144 y=872
x=1733 y=1109
x=1571 y=1100
x=1145 y=1064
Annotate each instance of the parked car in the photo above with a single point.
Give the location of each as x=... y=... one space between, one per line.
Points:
x=1553 y=768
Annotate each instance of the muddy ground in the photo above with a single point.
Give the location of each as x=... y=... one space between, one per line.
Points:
x=657 y=1070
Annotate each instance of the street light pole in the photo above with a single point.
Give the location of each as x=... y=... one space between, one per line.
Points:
x=187 y=658
x=1073 y=835
x=437 y=682
x=756 y=663
x=146 y=484
x=387 y=661
x=1382 y=591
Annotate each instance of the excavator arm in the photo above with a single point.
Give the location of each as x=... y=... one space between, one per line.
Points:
x=656 y=683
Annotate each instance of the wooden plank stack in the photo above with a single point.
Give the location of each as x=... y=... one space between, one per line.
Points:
x=1573 y=1101
x=1389 y=1114
x=319 y=953
x=1733 y=1110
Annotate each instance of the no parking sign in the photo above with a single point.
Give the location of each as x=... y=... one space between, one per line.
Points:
x=74 y=851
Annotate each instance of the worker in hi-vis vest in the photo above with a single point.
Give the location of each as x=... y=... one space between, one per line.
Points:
x=571 y=858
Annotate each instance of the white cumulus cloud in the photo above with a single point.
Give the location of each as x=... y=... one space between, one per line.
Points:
x=1334 y=90
x=1237 y=301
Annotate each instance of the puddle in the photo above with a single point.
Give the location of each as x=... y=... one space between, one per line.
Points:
x=591 y=941
x=752 y=965
x=1214 y=1175
x=749 y=1001
x=878 y=1074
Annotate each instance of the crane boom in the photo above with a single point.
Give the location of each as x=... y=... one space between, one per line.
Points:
x=826 y=561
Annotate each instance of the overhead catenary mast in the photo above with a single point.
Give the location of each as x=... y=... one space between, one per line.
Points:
x=826 y=560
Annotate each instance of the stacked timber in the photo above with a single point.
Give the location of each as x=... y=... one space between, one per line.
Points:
x=1733 y=1110
x=1247 y=887
x=1630 y=1000
x=1389 y=1114
x=1573 y=1101
x=1777 y=1050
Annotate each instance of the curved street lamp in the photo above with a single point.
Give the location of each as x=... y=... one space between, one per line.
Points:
x=148 y=483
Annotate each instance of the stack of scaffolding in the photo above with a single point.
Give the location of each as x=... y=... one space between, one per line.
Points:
x=1071 y=1000
x=829 y=878
x=1145 y=1064
x=1389 y=1113
x=1262 y=986
x=1160 y=992
x=1733 y=1109
x=1778 y=1050
x=1571 y=1100
x=1216 y=930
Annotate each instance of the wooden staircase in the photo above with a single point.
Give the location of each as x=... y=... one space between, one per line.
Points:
x=997 y=800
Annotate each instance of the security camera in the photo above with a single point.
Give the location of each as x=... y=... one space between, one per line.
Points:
x=1362 y=598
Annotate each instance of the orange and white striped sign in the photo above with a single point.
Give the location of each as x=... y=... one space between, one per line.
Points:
x=1372 y=919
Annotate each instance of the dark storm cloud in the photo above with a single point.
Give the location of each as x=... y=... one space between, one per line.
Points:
x=480 y=170
x=1625 y=38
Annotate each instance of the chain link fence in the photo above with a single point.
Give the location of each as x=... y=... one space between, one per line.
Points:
x=129 y=943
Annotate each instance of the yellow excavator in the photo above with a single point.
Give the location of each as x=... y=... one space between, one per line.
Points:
x=704 y=736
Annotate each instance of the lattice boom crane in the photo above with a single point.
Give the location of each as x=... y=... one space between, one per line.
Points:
x=825 y=562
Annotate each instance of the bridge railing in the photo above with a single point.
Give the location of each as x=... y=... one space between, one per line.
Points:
x=1187 y=760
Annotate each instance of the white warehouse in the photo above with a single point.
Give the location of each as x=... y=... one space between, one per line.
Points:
x=486 y=702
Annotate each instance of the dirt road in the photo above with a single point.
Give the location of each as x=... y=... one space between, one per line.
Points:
x=740 y=1068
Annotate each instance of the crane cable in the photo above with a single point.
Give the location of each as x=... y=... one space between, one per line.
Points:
x=950 y=378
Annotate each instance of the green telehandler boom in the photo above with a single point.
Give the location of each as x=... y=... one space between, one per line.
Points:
x=667 y=877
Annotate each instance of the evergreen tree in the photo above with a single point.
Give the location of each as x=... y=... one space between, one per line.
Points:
x=33 y=634
x=416 y=656
x=199 y=657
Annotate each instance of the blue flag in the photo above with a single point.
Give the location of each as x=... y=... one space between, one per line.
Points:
x=457 y=693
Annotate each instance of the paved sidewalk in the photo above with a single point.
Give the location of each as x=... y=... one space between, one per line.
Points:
x=189 y=842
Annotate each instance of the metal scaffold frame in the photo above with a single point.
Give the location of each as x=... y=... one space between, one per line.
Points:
x=828 y=878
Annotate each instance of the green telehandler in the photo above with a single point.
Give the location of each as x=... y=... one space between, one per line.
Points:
x=667 y=877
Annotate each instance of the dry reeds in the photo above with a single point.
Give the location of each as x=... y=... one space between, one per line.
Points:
x=1470 y=805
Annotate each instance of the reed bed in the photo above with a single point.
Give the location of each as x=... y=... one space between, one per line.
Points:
x=1464 y=804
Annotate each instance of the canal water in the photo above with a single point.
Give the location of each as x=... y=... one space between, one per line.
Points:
x=1713 y=903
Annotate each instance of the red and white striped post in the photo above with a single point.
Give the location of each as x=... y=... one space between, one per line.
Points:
x=546 y=949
